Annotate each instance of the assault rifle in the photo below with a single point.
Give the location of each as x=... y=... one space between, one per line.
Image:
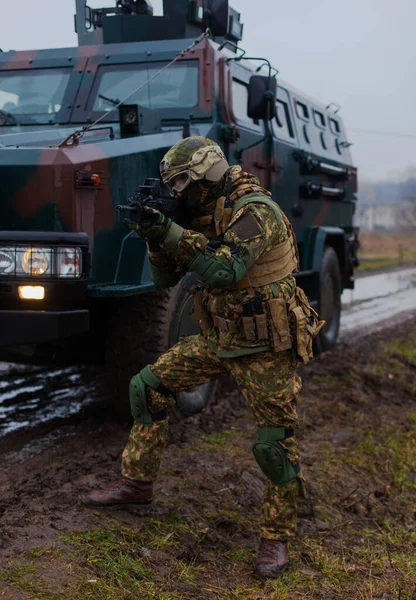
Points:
x=151 y=195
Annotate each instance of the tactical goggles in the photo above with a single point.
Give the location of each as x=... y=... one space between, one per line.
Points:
x=179 y=181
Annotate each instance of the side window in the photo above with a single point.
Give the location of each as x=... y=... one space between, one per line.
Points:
x=302 y=110
x=319 y=119
x=320 y=122
x=240 y=98
x=240 y=95
x=282 y=125
x=334 y=126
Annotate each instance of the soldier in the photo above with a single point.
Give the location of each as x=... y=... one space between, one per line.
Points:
x=256 y=326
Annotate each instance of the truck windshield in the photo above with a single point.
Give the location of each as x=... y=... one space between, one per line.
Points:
x=177 y=87
x=37 y=92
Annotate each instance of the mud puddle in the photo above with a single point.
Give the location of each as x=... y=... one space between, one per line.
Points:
x=377 y=301
x=371 y=287
x=31 y=395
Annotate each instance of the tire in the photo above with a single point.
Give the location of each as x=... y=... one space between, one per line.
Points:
x=141 y=329
x=330 y=299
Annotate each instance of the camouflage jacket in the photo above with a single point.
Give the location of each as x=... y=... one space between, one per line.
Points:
x=169 y=266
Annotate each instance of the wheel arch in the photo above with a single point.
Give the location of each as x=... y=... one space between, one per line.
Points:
x=141 y=328
x=321 y=238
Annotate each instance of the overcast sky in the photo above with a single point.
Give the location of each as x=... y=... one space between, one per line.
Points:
x=360 y=54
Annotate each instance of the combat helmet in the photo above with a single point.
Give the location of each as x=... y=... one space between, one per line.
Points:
x=193 y=159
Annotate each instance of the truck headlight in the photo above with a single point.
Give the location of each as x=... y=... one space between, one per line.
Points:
x=41 y=261
x=68 y=263
x=36 y=261
x=7 y=260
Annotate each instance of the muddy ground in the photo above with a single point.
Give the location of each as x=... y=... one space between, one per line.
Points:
x=357 y=527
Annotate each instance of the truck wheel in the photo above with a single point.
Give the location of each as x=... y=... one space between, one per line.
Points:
x=142 y=328
x=330 y=299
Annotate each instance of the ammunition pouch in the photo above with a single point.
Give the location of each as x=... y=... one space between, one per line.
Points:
x=225 y=324
x=139 y=400
x=277 y=323
x=271 y=456
x=305 y=322
x=280 y=335
x=294 y=322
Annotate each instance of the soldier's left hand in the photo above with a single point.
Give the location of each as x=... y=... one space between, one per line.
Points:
x=153 y=225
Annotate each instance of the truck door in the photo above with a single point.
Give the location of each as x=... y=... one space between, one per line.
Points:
x=250 y=147
x=285 y=168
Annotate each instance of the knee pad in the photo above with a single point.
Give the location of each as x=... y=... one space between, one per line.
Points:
x=271 y=456
x=138 y=396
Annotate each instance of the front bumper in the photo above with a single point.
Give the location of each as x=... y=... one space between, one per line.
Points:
x=35 y=326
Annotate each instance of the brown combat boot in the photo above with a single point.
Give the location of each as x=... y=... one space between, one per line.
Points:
x=272 y=558
x=120 y=493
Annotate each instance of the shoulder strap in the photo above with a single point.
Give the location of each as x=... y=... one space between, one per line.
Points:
x=258 y=199
x=262 y=199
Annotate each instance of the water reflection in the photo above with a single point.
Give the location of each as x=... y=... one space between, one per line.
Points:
x=384 y=284
x=31 y=395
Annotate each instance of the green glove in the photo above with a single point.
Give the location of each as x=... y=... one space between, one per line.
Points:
x=153 y=225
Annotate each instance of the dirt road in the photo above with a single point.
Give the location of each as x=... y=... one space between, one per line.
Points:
x=378 y=298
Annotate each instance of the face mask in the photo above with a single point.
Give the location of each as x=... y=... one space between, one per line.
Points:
x=199 y=196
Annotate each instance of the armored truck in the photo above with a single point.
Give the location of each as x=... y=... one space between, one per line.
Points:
x=81 y=128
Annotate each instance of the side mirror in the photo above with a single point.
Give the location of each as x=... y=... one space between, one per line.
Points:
x=262 y=93
x=216 y=16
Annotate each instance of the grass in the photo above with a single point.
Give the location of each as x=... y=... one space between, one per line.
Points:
x=227 y=442
x=358 y=543
x=401 y=348
x=386 y=249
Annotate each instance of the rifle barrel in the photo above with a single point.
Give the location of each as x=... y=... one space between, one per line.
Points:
x=125 y=207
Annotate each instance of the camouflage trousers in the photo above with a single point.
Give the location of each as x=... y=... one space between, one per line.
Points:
x=269 y=384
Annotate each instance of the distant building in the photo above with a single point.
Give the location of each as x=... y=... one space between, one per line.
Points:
x=376 y=217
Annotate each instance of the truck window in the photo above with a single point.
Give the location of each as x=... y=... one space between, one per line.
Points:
x=177 y=87
x=302 y=110
x=282 y=126
x=240 y=98
x=37 y=92
x=334 y=126
x=319 y=118
x=321 y=123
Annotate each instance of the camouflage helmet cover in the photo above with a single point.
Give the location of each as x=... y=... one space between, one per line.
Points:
x=197 y=155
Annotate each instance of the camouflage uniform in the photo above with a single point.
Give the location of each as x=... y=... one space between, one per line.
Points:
x=269 y=385
x=267 y=379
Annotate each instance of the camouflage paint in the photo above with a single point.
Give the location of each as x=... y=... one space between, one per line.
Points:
x=39 y=181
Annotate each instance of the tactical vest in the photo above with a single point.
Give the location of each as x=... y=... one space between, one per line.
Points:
x=281 y=261
x=273 y=326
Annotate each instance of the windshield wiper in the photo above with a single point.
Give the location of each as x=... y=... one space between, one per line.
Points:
x=7 y=118
x=112 y=101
